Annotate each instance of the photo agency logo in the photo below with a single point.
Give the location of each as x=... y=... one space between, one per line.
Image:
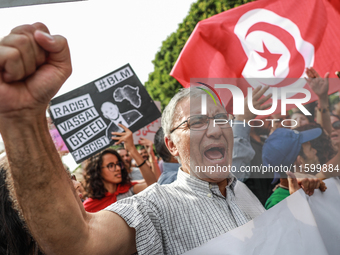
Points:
x=281 y=96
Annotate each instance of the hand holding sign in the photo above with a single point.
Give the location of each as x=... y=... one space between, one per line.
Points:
x=305 y=181
x=125 y=137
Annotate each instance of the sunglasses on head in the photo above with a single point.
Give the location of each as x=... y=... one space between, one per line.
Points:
x=336 y=124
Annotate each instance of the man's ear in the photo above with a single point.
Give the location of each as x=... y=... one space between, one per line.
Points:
x=299 y=160
x=171 y=146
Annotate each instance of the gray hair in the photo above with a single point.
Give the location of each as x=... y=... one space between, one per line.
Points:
x=169 y=112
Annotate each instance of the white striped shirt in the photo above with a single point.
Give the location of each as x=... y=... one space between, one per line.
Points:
x=175 y=218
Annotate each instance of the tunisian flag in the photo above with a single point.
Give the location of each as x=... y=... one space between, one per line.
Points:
x=263 y=40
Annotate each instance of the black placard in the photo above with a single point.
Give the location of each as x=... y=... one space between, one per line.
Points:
x=86 y=116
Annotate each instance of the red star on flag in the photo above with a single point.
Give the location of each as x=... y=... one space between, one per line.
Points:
x=272 y=58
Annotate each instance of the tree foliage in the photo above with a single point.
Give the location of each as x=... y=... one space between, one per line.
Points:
x=161 y=86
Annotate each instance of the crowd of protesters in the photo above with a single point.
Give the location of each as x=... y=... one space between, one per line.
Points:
x=148 y=198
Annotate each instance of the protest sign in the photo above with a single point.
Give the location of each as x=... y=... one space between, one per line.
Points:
x=57 y=139
x=85 y=117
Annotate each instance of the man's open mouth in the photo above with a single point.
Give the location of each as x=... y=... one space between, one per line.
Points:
x=215 y=153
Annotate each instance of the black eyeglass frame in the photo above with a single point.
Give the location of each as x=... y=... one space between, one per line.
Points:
x=120 y=164
x=208 y=121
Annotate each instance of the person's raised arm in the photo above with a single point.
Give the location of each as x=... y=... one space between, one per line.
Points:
x=258 y=103
x=320 y=87
x=149 y=148
x=127 y=138
x=33 y=66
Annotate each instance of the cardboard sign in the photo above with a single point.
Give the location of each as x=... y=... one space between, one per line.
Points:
x=149 y=130
x=85 y=117
x=58 y=141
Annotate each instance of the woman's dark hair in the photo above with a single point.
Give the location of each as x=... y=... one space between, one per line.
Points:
x=322 y=144
x=15 y=238
x=94 y=180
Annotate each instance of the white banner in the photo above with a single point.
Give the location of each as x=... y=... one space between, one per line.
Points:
x=297 y=225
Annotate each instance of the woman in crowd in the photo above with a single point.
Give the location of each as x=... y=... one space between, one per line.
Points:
x=107 y=178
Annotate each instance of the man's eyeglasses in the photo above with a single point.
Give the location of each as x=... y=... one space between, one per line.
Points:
x=336 y=124
x=113 y=167
x=201 y=122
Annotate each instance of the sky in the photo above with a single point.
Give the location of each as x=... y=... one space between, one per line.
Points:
x=104 y=35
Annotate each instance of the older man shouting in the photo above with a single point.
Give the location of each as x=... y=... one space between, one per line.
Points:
x=168 y=219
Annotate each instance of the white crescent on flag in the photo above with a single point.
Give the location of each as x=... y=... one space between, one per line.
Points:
x=270 y=42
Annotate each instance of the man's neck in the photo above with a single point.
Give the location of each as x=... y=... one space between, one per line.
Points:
x=173 y=160
x=221 y=185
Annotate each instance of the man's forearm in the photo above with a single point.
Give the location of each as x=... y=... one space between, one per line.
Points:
x=39 y=176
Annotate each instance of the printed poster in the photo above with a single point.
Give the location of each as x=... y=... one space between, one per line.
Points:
x=85 y=117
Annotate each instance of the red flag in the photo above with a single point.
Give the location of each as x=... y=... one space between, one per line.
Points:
x=265 y=39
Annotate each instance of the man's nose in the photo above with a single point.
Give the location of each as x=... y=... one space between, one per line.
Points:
x=214 y=130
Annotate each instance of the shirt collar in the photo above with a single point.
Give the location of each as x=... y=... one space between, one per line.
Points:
x=170 y=167
x=203 y=187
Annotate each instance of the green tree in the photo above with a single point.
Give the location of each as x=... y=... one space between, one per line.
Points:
x=161 y=86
